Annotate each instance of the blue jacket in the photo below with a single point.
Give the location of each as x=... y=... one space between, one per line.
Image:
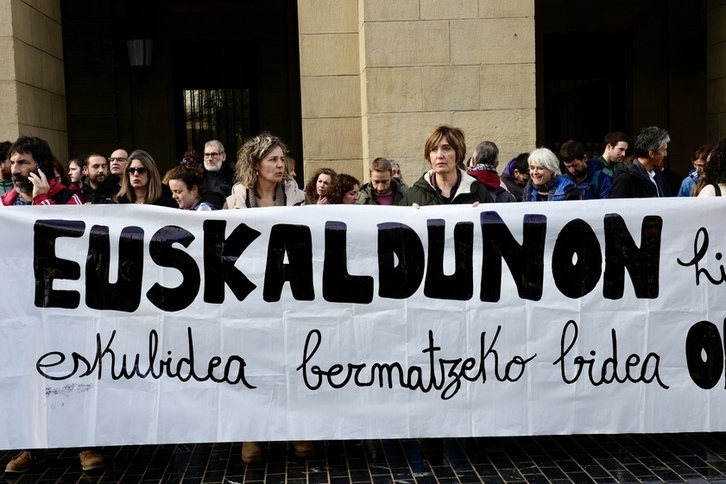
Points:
x=596 y=184
x=688 y=183
x=563 y=190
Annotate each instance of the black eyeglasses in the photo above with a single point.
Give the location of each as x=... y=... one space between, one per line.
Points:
x=139 y=170
x=118 y=158
x=213 y=154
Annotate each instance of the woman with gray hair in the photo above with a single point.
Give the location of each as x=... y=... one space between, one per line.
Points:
x=546 y=182
x=260 y=176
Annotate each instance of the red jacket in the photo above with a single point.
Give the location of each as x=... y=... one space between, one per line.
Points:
x=57 y=195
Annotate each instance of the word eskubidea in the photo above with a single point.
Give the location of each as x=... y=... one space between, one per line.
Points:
x=403 y=264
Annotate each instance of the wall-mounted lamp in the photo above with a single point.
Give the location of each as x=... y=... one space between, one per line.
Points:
x=140 y=52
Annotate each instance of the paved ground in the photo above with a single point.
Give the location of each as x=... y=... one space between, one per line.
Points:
x=605 y=458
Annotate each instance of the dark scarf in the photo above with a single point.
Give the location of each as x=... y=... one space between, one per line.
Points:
x=548 y=186
x=279 y=197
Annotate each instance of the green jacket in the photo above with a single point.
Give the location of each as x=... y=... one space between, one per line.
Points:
x=367 y=195
x=469 y=191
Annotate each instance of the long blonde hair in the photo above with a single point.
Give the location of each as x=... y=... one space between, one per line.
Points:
x=250 y=155
x=153 y=189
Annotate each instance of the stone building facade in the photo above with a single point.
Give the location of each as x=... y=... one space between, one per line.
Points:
x=345 y=81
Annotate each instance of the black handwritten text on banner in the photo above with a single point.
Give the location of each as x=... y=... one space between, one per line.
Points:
x=131 y=324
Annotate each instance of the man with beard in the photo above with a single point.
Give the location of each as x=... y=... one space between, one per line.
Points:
x=383 y=189
x=588 y=175
x=98 y=185
x=33 y=176
x=218 y=175
x=616 y=144
x=6 y=182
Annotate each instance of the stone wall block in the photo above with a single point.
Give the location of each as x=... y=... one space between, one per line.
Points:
x=332 y=138
x=388 y=10
x=394 y=90
x=7 y=59
x=6 y=19
x=493 y=41
x=401 y=136
x=327 y=16
x=402 y=44
x=512 y=130
x=8 y=108
x=449 y=9
x=329 y=55
x=507 y=86
x=330 y=96
x=451 y=88
x=508 y=8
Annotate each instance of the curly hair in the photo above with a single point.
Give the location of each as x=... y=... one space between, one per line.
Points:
x=310 y=189
x=192 y=174
x=250 y=155
x=715 y=169
x=191 y=156
x=341 y=185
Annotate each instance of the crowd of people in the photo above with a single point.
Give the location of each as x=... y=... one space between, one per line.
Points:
x=264 y=176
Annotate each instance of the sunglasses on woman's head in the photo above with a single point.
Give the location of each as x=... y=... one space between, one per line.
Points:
x=140 y=170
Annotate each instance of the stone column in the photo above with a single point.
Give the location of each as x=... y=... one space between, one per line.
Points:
x=716 y=72
x=397 y=69
x=330 y=85
x=32 y=87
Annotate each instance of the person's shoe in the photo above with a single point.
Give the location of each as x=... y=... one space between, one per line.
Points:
x=90 y=459
x=251 y=452
x=303 y=448
x=25 y=460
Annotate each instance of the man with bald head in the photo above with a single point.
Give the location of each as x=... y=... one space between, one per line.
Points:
x=117 y=162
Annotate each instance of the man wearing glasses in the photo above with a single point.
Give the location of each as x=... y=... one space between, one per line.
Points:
x=117 y=162
x=218 y=175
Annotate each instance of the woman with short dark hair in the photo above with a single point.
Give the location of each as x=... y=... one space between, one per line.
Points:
x=446 y=182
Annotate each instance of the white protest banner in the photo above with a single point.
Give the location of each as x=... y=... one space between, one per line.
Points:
x=127 y=324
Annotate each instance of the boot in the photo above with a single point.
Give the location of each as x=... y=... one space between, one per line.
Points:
x=303 y=448
x=251 y=452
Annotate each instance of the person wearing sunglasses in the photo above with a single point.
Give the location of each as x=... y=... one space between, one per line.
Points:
x=142 y=183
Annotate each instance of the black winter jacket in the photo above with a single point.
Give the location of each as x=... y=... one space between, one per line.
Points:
x=633 y=181
x=469 y=191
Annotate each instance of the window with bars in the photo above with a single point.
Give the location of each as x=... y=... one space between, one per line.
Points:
x=222 y=114
x=215 y=94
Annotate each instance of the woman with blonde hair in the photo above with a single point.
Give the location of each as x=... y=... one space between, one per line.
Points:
x=261 y=182
x=142 y=184
x=260 y=176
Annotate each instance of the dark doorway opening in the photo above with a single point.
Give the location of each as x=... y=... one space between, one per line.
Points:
x=586 y=79
x=215 y=94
